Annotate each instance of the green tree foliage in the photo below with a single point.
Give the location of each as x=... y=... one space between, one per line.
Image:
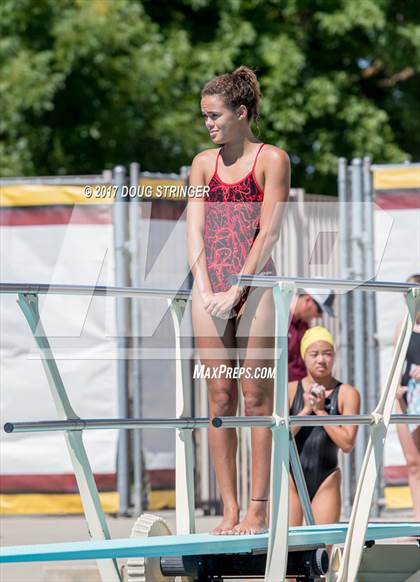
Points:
x=86 y=84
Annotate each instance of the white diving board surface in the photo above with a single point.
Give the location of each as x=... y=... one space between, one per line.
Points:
x=197 y=544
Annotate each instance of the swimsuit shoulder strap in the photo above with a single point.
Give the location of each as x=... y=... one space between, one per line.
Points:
x=334 y=399
x=256 y=157
x=297 y=403
x=217 y=162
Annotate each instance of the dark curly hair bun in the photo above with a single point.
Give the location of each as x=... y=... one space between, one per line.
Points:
x=238 y=88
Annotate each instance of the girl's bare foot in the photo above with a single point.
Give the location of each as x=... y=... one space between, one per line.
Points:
x=254 y=521
x=229 y=521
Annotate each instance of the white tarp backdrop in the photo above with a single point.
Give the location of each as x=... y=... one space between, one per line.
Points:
x=81 y=332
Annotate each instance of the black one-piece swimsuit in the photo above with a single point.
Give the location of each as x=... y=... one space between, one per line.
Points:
x=318 y=453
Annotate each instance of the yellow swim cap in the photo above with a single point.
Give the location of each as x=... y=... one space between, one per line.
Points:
x=315 y=334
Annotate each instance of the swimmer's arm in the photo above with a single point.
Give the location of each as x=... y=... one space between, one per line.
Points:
x=276 y=193
x=344 y=436
x=306 y=410
x=195 y=227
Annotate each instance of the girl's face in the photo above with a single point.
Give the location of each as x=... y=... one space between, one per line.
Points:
x=319 y=359
x=221 y=122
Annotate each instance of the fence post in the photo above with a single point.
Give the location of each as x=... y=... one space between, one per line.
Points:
x=372 y=354
x=136 y=388
x=358 y=302
x=345 y=312
x=122 y=316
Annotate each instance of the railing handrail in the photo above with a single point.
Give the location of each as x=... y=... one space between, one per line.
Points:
x=198 y=422
x=334 y=284
x=301 y=283
x=100 y=290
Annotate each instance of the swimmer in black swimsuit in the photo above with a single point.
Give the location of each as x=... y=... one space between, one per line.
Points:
x=321 y=394
x=318 y=453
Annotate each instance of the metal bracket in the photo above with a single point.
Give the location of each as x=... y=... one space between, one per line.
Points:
x=184 y=444
x=277 y=550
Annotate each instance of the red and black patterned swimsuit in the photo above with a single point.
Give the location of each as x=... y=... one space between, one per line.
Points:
x=232 y=221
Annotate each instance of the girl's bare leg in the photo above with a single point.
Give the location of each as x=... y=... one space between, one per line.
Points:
x=256 y=343
x=410 y=444
x=215 y=340
x=295 y=508
x=326 y=505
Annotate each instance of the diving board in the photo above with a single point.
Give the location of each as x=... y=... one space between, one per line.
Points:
x=198 y=544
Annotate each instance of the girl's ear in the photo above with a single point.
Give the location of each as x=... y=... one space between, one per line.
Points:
x=242 y=112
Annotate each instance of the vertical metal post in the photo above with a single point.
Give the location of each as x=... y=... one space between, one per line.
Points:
x=301 y=231
x=189 y=403
x=184 y=445
x=122 y=318
x=243 y=454
x=184 y=172
x=299 y=478
x=372 y=355
x=358 y=303
x=135 y=377
x=107 y=175
x=277 y=550
x=345 y=313
x=203 y=456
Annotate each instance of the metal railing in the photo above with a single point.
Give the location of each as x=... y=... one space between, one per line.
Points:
x=283 y=290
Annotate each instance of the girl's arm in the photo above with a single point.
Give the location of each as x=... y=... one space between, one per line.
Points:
x=195 y=227
x=306 y=410
x=343 y=436
x=276 y=193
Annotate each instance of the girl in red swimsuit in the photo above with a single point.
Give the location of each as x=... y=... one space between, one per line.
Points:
x=231 y=228
x=230 y=232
